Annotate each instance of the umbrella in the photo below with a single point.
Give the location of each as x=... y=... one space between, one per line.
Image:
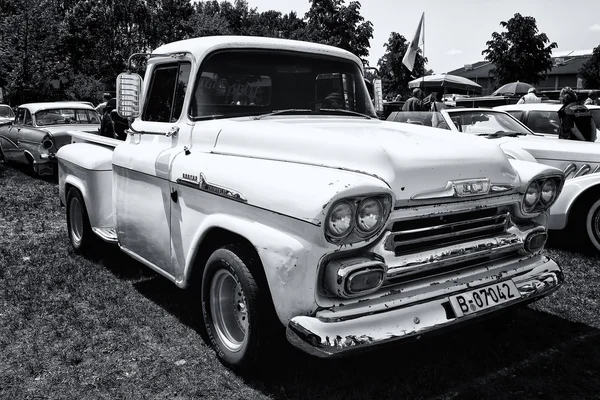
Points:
x=445 y=81
x=513 y=89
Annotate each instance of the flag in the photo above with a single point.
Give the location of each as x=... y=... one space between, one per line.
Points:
x=411 y=52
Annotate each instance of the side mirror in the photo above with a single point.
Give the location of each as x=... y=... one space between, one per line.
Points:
x=129 y=95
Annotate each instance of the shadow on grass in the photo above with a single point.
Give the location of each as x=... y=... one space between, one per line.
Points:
x=526 y=354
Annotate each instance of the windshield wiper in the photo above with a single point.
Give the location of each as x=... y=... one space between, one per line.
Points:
x=302 y=111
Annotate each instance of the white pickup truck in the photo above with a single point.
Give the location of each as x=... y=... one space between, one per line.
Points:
x=256 y=172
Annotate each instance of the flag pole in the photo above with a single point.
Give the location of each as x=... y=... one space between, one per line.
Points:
x=423 y=51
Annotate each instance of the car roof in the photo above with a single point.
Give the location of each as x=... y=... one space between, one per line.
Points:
x=200 y=47
x=537 y=107
x=35 y=107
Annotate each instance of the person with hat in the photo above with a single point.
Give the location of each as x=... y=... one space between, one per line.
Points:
x=530 y=97
x=100 y=107
x=576 y=122
x=414 y=103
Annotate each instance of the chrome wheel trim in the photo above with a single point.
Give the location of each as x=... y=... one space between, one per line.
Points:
x=76 y=219
x=229 y=310
x=592 y=224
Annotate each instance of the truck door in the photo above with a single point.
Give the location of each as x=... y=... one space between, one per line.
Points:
x=142 y=165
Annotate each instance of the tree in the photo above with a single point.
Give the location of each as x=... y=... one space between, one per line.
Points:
x=394 y=75
x=590 y=71
x=331 y=22
x=520 y=53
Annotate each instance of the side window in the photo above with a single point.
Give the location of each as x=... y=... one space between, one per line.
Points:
x=517 y=114
x=93 y=117
x=167 y=91
x=546 y=122
x=28 y=119
x=81 y=116
x=20 y=116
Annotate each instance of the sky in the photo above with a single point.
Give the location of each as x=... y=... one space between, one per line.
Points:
x=456 y=31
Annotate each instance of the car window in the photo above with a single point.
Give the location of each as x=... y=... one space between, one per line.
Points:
x=61 y=116
x=517 y=114
x=426 y=118
x=167 y=91
x=546 y=122
x=20 y=116
x=6 y=112
x=81 y=116
x=486 y=122
x=28 y=120
x=93 y=117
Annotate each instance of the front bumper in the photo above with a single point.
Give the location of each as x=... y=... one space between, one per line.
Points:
x=416 y=310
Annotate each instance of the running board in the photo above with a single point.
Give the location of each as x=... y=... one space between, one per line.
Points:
x=107 y=234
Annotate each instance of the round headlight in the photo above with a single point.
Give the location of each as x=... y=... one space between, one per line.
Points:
x=532 y=196
x=548 y=191
x=47 y=143
x=339 y=222
x=369 y=215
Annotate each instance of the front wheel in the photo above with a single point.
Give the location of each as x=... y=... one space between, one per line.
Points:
x=233 y=307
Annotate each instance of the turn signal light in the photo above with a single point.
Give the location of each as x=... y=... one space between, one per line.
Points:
x=364 y=280
x=535 y=242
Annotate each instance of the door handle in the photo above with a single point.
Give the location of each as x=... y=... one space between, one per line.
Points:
x=172 y=132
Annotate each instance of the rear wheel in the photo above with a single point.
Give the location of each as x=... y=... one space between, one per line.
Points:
x=83 y=240
x=236 y=311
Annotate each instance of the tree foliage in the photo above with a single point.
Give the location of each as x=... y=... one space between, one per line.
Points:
x=520 y=53
x=331 y=22
x=394 y=75
x=590 y=71
x=74 y=49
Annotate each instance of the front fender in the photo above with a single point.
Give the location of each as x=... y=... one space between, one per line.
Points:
x=289 y=260
x=573 y=189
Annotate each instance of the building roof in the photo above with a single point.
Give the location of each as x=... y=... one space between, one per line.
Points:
x=564 y=65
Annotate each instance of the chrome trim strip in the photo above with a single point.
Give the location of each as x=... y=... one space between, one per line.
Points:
x=400 y=243
x=212 y=188
x=451 y=224
x=107 y=234
x=584 y=169
x=568 y=169
x=595 y=169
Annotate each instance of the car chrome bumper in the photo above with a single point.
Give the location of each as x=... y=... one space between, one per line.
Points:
x=328 y=334
x=48 y=156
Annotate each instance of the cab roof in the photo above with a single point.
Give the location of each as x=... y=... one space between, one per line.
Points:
x=200 y=47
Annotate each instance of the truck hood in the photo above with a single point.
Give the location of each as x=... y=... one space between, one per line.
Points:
x=409 y=159
x=543 y=148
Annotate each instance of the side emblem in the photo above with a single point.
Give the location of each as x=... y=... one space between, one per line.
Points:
x=471 y=187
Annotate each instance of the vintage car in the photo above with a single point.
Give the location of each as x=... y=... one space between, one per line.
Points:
x=40 y=129
x=578 y=207
x=6 y=114
x=542 y=118
x=305 y=211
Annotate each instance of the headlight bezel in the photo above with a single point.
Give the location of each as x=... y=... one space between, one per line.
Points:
x=540 y=206
x=355 y=234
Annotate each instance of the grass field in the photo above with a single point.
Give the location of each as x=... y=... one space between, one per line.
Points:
x=72 y=328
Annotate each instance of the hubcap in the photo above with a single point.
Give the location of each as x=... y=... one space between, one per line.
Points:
x=596 y=224
x=229 y=310
x=76 y=220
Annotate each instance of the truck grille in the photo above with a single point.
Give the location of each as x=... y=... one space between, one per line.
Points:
x=425 y=233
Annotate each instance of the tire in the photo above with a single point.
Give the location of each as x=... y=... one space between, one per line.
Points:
x=236 y=311
x=586 y=221
x=83 y=240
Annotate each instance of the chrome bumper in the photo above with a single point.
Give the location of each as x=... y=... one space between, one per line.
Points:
x=413 y=312
x=48 y=156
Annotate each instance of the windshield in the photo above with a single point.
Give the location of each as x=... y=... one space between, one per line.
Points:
x=234 y=83
x=486 y=122
x=66 y=116
x=6 y=112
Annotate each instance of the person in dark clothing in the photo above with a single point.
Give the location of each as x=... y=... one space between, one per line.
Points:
x=576 y=122
x=414 y=103
x=106 y=123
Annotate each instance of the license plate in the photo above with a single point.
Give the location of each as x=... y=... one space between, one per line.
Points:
x=483 y=298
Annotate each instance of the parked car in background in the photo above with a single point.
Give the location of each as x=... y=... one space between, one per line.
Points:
x=6 y=114
x=40 y=129
x=578 y=207
x=542 y=118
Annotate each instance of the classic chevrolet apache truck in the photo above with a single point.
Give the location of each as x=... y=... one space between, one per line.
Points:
x=256 y=173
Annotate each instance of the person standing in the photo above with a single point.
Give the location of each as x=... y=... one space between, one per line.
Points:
x=592 y=99
x=530 y=97
x=100 y=107
x=576 y=122
x=414 y=103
